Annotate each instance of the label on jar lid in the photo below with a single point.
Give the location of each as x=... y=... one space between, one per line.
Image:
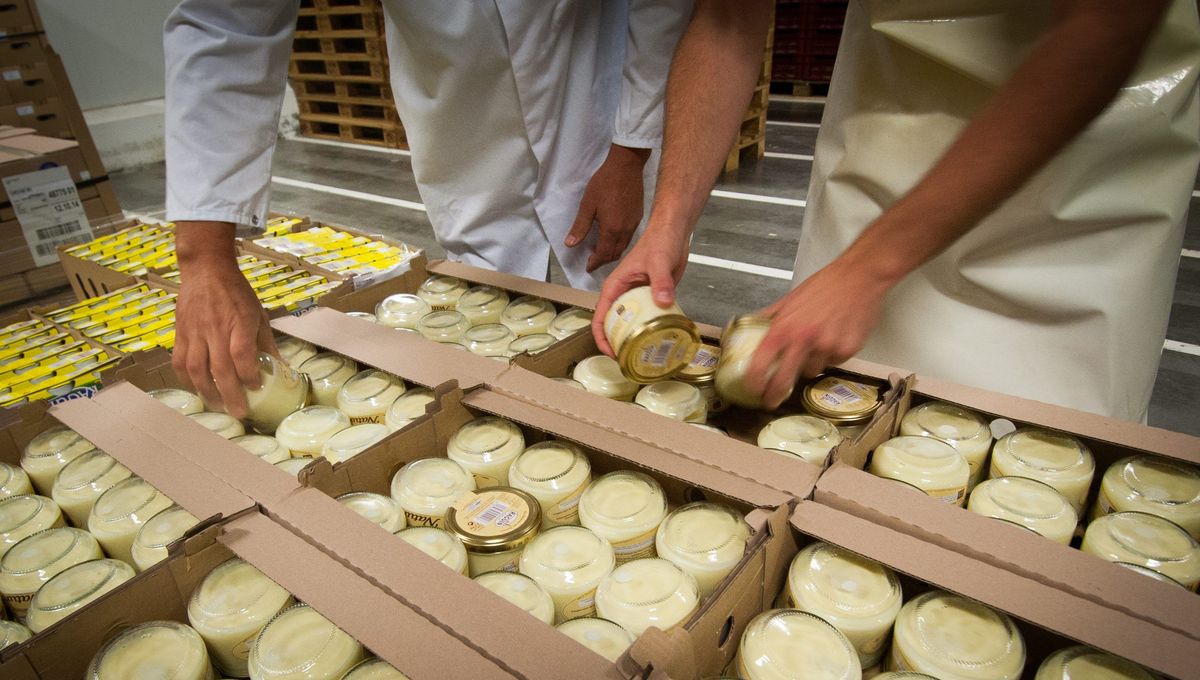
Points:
x=842 y=395
x=490 y=513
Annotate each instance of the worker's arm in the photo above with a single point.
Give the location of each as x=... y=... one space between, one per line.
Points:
x=226 y=67
x=711 y=79
x=614 y=200
x=1073 y=72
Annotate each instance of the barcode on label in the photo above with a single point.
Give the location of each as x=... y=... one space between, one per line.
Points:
x=847 y=395
x=58 y=230
x=658 y=355
x=493 y=514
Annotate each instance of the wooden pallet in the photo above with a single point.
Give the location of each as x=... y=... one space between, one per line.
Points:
x=340 y=25
x=339 y=67
x=377 y=110
x=751 y=141
x=323 y=48
x=358 y=131
x=339 y=5
x=342 y=91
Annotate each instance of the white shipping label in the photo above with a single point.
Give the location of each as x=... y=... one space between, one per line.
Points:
x=49 y=210
x=12 y=74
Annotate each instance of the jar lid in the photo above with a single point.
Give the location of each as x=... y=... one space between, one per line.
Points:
x=438 y=480
x=263 y=446
x=165 y=527
x=496 y=519
x=226 y=596
x=443 y=286
x=526 y=309
x=706 y=532
x=408 y=407
x=570 y=321
x=796 y=644
x=219 y=423
x=325 y=365
x=353 y=440
x=841 y=400
x=160 y=649
x=124 y=499
x=1026 y=498
x=312 y=424
x=482 y=437
x=1147 y=536
x=623 y=496
x=370 y=385
x=183 y=401
x=659 y=348
x=482 y=296
x=548 y=462
x=702 y=370
x=534 y=343
x=59 y=440
x=602 y=636
x=1046 y=450
x=601 y=375
x=489 y=333
x=566 y=549
x=298 y=637
x=40 y=551
x=825 y=577
x=80 y=583
x=670 y=398
x=87 y=468
x=962 y=633
x=946 y=422
x=401 y=309
x=1161 y=480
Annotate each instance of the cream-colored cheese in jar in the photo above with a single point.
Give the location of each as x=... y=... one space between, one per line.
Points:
x=602 y=636
x=625 y=508
x=121 y=511
x=366 y=316
x=782 y=644
x=965 y=430
x=439 y=544
x=1034 y=505
x=446 y=326
x=366 y=396
x=73 y=588
x=284 y=391
x=858 y=596
x=931 y=465
x=182 y=401
x=380 y=509
x=528 y=315
x=602 y=376
x=651 y=343
x=23 y=516
x=230 y=607
x=156 y=649
x=487 y=446
x=263 y=446
x=534 y=343
x=327 y=372
x=647 y=592
x=739 y=342
x=353 y=440
x=675 y=400
x=295 y=351
x=158 y=533
x=300 y=644
x=569 y=562
x=494 y=524
x=954 y=638
x=1150 y=573
x=483 y=305
x=570 y=382
x=555 y=473
x=13 y=633
x=293 y=466
x=222 y=424
x=304 y=432
x=48 y=452
x=569 y=322
x=1058 y=459
x=407 y=407
x=489 y=339
x=81 y=482
x=522 y=591
x=1147 y=540
x=37 y=558
x=374 y=669
x=13 y=481
x=808 y=437
x=425 y=488
x=901 y=675
x=705 y=540
x=1160 y=486
x=402 y=310
x=1085 y=663
x=442 y=292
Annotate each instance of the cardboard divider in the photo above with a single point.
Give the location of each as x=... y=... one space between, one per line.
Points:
x=1051 y=618
x=408 y=641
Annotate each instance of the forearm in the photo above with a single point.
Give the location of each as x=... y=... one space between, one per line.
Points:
x=712 y=76
x=1068 y=79
x=203 y=245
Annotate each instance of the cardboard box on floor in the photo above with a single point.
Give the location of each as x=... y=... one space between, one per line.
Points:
x=848 y=487
x=26 y=83
x=402 y=637
x=47 y=117
x=14 y=249
x=19 y=17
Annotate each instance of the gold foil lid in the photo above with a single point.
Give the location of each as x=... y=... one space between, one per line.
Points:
x=659 y=349
x=841 y=400
x=495 y=519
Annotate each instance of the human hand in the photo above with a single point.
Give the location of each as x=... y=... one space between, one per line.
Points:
x=658 y=260
x=823 y=321
x=220 y=326
x=613 y=200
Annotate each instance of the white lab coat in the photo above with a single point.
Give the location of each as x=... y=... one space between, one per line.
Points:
x=1062 y=294
x=509 y=108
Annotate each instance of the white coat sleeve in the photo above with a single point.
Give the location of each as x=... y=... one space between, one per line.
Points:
x=654 y=30
x=226 y=68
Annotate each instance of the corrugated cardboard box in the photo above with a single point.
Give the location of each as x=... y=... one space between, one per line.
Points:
x=28 y=153
x=48 y=117
x=26 y=83
x=14 y=249
x=18 y=17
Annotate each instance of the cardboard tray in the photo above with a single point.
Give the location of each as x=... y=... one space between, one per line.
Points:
x=848 y=487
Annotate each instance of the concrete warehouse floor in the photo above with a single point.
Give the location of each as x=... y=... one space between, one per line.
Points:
x=742 y=252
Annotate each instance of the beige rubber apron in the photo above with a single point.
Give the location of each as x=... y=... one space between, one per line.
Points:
x=1061 y=295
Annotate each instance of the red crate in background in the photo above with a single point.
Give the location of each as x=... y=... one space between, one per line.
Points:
x=807 y=33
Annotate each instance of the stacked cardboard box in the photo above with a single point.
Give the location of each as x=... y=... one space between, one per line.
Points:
x=36 y=98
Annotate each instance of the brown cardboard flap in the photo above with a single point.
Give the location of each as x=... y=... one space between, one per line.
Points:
x=519 y=284
x=653 y=436
x=407 y=355
x=1023 y=598
x=151 y=448
x=1020 y=552
x=671 y=653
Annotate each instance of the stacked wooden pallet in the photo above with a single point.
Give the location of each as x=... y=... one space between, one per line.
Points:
x=339 y=70
x=806 y=43
x=751 y=140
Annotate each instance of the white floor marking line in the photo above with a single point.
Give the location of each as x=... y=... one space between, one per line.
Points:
x=1191 y=253
x=758 y=198
x=349 y=193
x=349 y=145
x=789 y=156
x=744 y=267
x=1183 y=347
x=788 y=123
